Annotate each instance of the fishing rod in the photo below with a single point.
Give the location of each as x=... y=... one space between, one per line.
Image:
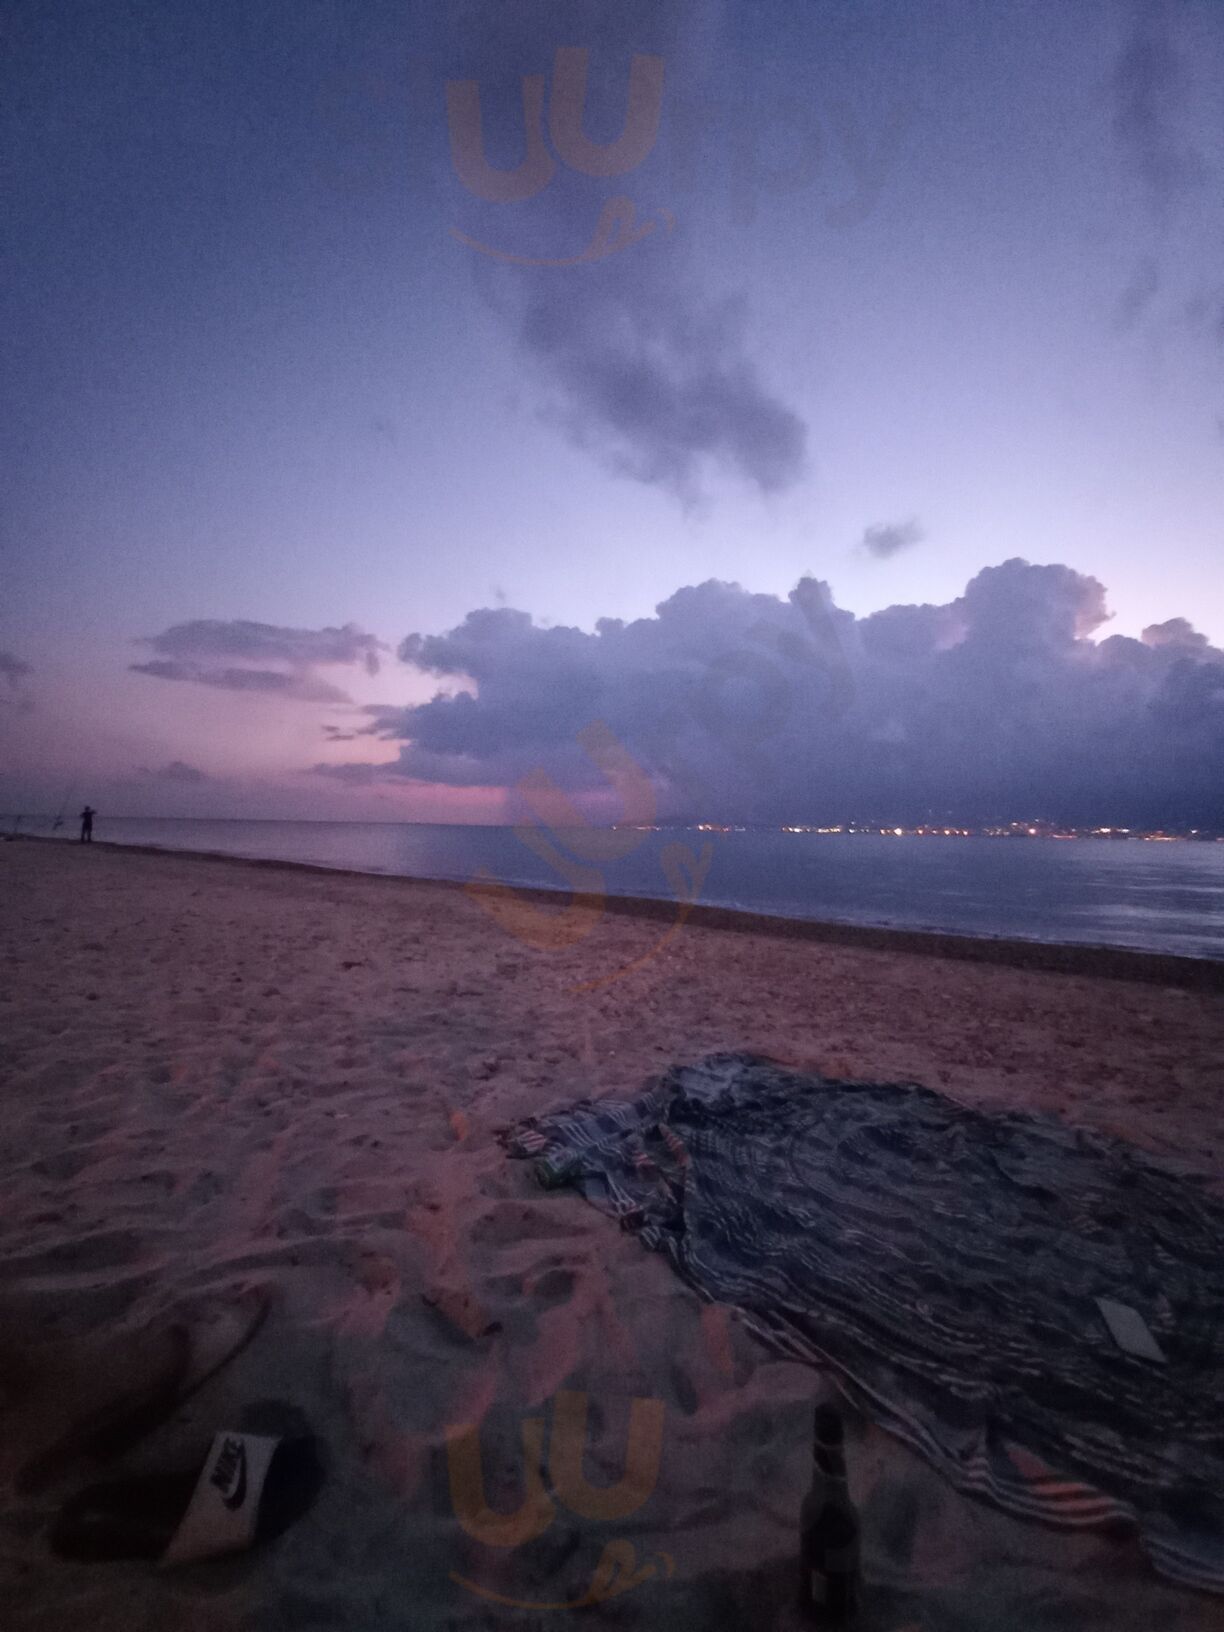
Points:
x=59 y=819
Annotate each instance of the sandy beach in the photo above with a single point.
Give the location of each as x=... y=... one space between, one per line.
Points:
x=219 y=1075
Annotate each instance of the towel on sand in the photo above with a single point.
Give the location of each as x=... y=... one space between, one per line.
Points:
x=945 y=1263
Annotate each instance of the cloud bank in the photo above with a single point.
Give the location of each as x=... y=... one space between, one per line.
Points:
x=236 y=656
x=748 y=707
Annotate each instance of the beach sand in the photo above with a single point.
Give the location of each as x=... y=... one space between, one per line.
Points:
x=219 y=1075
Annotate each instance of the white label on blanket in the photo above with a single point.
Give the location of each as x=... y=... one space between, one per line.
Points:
x=224 y=1506
x=1129 y=1330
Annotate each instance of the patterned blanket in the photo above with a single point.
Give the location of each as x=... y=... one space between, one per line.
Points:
x=945 y=1264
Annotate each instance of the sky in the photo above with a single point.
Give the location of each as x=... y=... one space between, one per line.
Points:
x=787 y=412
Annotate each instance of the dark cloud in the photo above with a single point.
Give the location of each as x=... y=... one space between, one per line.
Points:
x=657 y=383
x=207 y=639
x=1166 y=121
x=176 y=771
x=1138 y=295
x=233 y=656
x=1149 y=85
x=13 y=669
x=1205 y=314
x=635 y=360
x=762 y=708
x=357 y=775
x=268 y=682
x=887 y=538
x=1178 y=632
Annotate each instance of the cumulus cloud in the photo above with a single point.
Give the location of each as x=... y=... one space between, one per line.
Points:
x=887 y=538
x=1177 y=632
x=749 y=707
x=235 y=656
x=176 y=771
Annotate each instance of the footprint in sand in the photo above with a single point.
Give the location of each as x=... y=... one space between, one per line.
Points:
x=517 y=1221
x=78 y=1255
x=64 y=1165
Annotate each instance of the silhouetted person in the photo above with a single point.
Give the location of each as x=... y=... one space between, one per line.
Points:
x=87 y=816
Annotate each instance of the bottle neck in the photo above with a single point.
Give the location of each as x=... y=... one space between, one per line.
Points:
x=828 y=1464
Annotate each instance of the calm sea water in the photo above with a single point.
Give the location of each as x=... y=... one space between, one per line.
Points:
x=1159 y=897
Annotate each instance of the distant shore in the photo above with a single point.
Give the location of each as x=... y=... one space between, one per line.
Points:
x=1102 y=962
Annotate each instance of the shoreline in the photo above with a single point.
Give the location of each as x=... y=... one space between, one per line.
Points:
x=1053 y=957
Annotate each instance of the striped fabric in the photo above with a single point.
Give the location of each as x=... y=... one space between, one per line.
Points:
x=944 y=1263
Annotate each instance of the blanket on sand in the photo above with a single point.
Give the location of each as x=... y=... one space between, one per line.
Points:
x=944 y=1263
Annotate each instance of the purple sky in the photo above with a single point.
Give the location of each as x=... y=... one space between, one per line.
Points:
x=930 y=287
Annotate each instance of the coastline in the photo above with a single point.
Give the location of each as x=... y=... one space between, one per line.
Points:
x=1051 y=957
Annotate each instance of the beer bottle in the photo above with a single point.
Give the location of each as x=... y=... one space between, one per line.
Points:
x=828 y=1531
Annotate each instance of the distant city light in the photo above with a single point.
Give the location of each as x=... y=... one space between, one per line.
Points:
x=1011 y=830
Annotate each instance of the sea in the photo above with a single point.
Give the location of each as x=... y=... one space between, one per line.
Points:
x=1152 y=895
